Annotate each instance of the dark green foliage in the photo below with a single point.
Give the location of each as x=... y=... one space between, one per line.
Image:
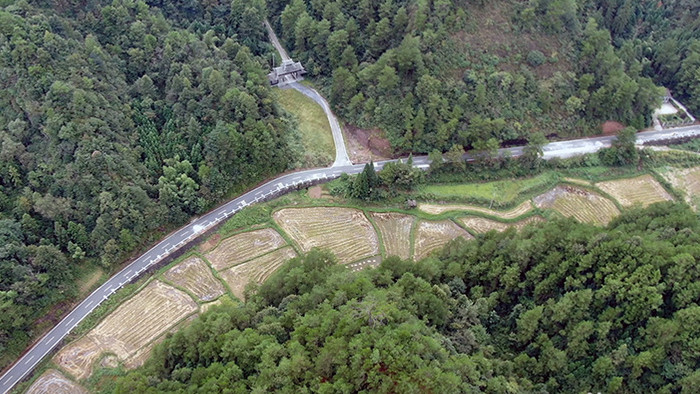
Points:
x=407 y=68
x=623 y=151
x=561 y=307
x=117 y=123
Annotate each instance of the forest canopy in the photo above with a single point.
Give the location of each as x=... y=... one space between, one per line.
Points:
x=120 y=119
x=559 y=307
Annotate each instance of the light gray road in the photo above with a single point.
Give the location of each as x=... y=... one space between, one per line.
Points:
x=276 y=42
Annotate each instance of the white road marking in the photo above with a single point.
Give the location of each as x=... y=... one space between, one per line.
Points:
x=88 y=304
x=51 y=339
x=70 y=321
x=29 y=359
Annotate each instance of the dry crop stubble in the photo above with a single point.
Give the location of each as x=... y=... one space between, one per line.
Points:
x=243 y=247
x=483 y=225
x=688 y=181
x=135 y=323
x=644 y=190
x=195 y=276
x=433 y=235
x=583 y=205
x=344 y=231
x=256 y=270
x=395 y=229
x=53 y=382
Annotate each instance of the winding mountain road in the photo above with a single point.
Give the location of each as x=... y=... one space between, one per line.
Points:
x=280 y=185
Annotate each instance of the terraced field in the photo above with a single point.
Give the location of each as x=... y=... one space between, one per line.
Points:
x=134 y=324
x=245 y=246
x=344 y=231
x=643 y=190
x=686 y=180
x=395 y=229
x=256 y=270
x=53 y=382
x=437 y=209
x=433 y=235
x=195 y=275
x=483 y=225
x=581 y=204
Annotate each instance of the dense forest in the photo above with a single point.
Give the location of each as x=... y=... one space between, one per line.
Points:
x=433 y=74
x=119 y=119
x=560 y=307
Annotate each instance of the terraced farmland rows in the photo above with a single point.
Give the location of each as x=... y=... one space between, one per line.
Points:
x=195 y=275
x=433 y=235
x=688 y=181
x=643 y=190
x=483 y=225
x=437 y=209
x=245 y=246
x=256 y=270
x=53 y=382
x=129 y=328
x=344 y=231
x=395 y=229
x=583 y=205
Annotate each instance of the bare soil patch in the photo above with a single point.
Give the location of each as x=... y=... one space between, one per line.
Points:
x=344 y=231
x=643 y=190
x=688 y=181
x=611 y=127
x=53 y=382
x=437 y=209
x=483 y=225
x=366 y=145
x=395 y=229
x=210 y=243
x=315 y=192
x=243 y=247
x=256 y=270
x=128 y=329
x=195 y=275
x=433 y=235
x=583 y=205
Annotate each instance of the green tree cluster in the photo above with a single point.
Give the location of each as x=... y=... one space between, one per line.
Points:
x=560 y=307
x=403 y=66
x=116 y=122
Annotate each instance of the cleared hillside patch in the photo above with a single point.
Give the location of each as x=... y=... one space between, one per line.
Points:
x=395 y=229
x=344 y=231
x=313 y=127
x=499 y=193
x=245 y=246
x=686 y=180
x=483 y=225
x=53 y=382
x=437 y=209
x=643 y=190
x=583 y=205
x=256 y=270
x=195 y=276
x=433 y=235
x=135 y=323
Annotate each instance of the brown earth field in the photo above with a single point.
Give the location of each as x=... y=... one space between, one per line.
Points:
x=584 y=205
x=483 y=225
x=257 y=270
x=135 y=323
x=643 y=190
x=395 y=229
x=195 y=276
x=53 y=382
x=432 y=235
x=243 y=247
x=344 y=231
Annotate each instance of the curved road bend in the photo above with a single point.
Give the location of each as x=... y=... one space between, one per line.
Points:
x=341 y=153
